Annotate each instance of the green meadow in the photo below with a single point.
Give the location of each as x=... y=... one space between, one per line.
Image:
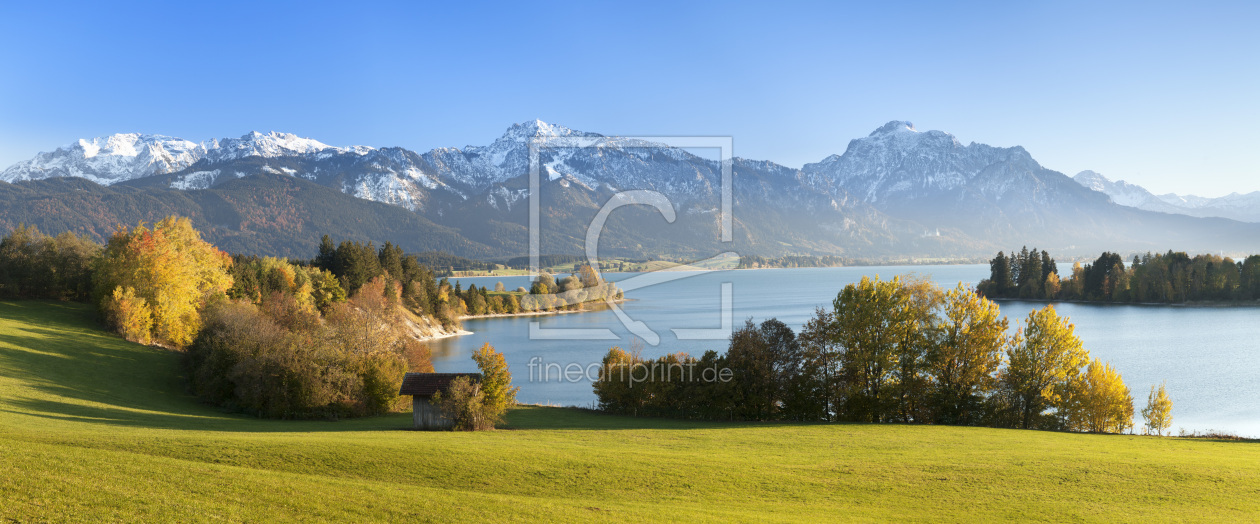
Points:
x=93 y=428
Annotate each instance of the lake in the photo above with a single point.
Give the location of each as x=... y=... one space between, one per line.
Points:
x=1209 y=356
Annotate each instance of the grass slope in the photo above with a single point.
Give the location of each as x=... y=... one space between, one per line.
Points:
x=96 y=429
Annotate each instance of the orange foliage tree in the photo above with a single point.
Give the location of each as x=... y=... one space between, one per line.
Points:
x=166 y=273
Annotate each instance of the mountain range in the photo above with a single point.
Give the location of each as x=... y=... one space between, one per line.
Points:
x=1236 y=206
x=895 y=194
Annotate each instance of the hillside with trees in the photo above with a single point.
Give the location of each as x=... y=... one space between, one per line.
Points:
x=263 y=214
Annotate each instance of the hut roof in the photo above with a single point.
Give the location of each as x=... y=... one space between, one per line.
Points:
x=427 y=384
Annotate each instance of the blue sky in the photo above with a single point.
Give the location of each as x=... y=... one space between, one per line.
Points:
x=1164 y=95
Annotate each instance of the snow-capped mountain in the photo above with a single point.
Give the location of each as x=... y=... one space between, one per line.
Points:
x=129 y=156
x=897 y=164
x=567 y=156
x=1234 y=206
x=1124 y=193
x=932 y=178
x=479 y=167
x=896 y=192
x=111 y=159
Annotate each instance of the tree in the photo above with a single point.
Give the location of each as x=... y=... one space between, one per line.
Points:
x=923 y=298
x=763 y=361
x=1000 y=275
x=822 y=375
x=1043 y=363
x=496 y=383
x=588 y=276
x=613 y=389
x=129 y=314
x=1099 y=402
x=171 y=268
x=325 y=290
x=1052 y=286
x=964 y=362
x=1076 y=285
x=1158 y=411
x=1031 y=275
x=544 y=284
x=791 y=384
x=875 y=327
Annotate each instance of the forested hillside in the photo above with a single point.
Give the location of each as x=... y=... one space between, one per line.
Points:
x=262 y=214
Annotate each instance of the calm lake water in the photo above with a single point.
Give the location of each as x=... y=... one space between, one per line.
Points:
x=1209 y=356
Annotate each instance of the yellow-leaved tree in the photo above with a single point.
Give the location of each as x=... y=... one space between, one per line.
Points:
x=1043 y=366
x=496 y=383
x=166 y=273
x=1158 y=411
x=1099 y=401
x=964 y=362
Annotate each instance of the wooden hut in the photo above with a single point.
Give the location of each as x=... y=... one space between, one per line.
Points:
x=422 y=387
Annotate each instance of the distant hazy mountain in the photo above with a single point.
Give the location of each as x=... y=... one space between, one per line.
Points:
x=1245 y=208
x=893 y=194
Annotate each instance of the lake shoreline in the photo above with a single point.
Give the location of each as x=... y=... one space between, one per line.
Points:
x=1196 y=304
x=461 y=332
x=542 y=313
x=1206 y=353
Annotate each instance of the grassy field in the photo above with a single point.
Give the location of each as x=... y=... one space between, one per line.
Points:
x=96 y=429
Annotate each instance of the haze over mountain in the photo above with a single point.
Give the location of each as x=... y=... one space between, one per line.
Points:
x=897 y=193
x=1241 y=207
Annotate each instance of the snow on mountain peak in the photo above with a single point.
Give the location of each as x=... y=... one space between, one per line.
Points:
x=127 y=156
x=524 y=131
x=109 y=159
x=268 y=145
x=1092 y=180
x=896 y=126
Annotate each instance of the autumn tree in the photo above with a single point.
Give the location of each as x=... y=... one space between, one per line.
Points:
x=496 y=383
x=1158 y=411
x=1043 y=363
x=965 y=360
x=1099 y=402
x=588 y=276
x=544 y=284
x=171 y=268
x=876 y=327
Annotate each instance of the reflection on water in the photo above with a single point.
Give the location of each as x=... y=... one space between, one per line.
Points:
x=1210 y=356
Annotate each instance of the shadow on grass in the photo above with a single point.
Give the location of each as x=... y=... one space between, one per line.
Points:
x=85 y=374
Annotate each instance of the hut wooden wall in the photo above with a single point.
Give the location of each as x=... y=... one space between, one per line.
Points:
x=427 y=416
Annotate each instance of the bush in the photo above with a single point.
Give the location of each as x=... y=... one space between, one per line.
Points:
x=246 y=361
x=464 y=403
x=475 y=406
x=280 y=360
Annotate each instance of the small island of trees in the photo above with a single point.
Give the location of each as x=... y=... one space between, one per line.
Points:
x=1169 y=278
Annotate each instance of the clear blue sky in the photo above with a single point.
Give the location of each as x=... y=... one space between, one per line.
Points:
x=1164 y=95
